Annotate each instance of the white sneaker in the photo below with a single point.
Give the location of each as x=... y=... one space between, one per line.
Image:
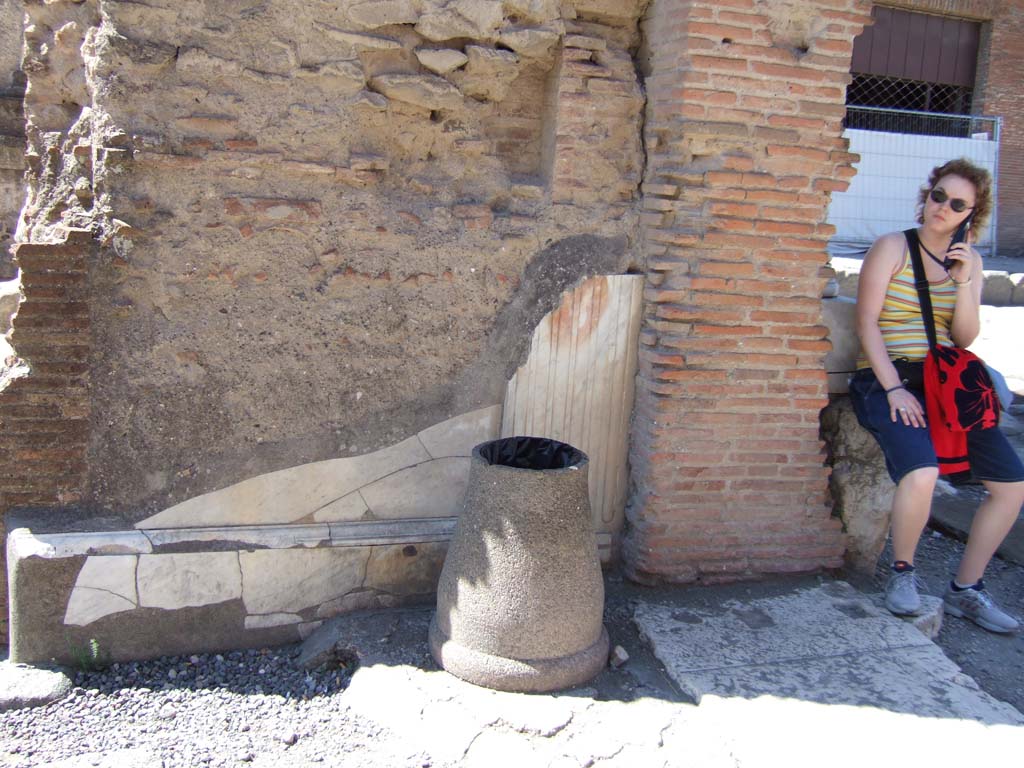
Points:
x=978 y=606
x=901 y=596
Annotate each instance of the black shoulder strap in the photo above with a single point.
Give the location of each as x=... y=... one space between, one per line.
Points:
x=924 y=296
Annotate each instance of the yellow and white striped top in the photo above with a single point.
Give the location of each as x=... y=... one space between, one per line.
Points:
x=900 y=319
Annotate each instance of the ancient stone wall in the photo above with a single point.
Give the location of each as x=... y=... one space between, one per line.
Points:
x=307 y=216
x=262 y=235
x=745 y=101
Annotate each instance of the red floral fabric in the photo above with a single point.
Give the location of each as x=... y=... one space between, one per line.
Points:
x=959 y=397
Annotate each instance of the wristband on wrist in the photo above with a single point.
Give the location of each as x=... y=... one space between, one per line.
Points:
x=893 y=389
x=962 y=282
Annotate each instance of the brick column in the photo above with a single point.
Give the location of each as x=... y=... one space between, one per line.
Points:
x=743 y=138
x=44 y=407
x=1001 y=94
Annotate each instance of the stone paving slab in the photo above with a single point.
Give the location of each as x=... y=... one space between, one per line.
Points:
x=836 y=620
x=825 y=644
x=780 y=680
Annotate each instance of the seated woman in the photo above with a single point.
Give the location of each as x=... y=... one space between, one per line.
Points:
x=891 y=404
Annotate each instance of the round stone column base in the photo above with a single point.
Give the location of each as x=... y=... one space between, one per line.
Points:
x=518 y=675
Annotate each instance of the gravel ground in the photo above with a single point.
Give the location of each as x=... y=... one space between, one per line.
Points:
x=245 y=707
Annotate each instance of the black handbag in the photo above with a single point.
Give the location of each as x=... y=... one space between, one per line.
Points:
x=911 y=373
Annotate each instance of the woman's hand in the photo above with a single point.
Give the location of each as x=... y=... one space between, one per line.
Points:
x=906 y=407
x=965 y=257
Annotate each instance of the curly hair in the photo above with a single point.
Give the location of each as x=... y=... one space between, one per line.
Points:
x=965 y=169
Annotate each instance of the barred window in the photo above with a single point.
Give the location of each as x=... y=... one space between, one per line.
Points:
x=917 y=62
x=899 y=93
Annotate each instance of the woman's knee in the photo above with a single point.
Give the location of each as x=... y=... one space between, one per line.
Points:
x=921 y=480
x=1011 y=494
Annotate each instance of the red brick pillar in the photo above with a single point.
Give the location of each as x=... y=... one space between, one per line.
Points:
x=1001 y=94
x=44 y=409
x=743 y=128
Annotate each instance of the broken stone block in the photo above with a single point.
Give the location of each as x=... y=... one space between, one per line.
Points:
x=370 y=100
x=359 y=42
x=104 y=586
x=271 y=620
x=345 y=77
x=381 y=13
x=535 y=11
x=439 y=482
x=929 y=618
x=614 y=9
x=445 y=25
x=477 y=19
x=998 y=288
x=288 y=581
x=486 y=15
x=23 y=686
x=1017 y=279
x=488 y=74
x=585 y=42
x=861 y=487
x=531 y=43
x=195 y=61
x=441 y=61
x=368 y=163
x=182 y=579
x=618 y=657
x=425 y=91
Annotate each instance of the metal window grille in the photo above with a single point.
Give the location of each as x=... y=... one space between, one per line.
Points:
x=900 y=93
x=914 y=96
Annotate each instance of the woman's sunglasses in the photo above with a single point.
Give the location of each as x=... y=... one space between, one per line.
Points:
x=939 y=196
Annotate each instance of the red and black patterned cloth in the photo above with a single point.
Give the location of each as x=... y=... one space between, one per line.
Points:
x=959 y=397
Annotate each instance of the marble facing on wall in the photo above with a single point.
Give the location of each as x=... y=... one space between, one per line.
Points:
x=267 y=559
x=423 y=476
x=247 y=578
x=262 y=561
x=577 y=386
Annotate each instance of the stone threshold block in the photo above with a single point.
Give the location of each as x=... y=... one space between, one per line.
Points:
x=79 y=586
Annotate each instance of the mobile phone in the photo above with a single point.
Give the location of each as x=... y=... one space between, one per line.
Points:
x=958 y=237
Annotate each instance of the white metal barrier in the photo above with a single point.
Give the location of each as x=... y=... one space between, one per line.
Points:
x=882 y=197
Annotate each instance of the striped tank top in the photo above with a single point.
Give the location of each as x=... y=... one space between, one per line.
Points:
x=900 y=319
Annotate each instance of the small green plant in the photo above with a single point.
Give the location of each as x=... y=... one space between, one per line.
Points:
x=89 y=657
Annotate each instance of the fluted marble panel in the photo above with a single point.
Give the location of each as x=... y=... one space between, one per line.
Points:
x=577 y=386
